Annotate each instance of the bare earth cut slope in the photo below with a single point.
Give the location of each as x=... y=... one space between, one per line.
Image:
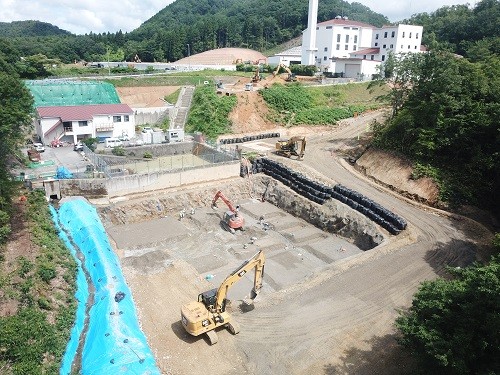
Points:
x=151 y=96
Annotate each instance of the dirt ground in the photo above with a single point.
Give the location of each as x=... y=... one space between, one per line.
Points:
x=320 y=312
x=150 y=96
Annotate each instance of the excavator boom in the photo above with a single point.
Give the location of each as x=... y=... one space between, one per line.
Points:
x=257 y=262
x=290 y=76
x=224 y=199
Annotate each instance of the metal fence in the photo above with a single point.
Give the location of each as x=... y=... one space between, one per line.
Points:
x=166 y=159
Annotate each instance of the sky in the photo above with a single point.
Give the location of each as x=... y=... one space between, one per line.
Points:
x=100 y=16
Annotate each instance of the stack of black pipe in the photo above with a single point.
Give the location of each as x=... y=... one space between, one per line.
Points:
x=313 y=190
x=382 y=216
x=249 y=138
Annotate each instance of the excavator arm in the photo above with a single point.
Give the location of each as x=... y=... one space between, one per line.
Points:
x=257 y=262
x=225 y=200
x=290 y=76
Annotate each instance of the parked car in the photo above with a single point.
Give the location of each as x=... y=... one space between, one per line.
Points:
x=147 y=129
x=112 y=142
x=56 y=143
x=78 y=146
x=39 y=147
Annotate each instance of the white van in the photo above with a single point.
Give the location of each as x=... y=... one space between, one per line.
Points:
x=112 y=142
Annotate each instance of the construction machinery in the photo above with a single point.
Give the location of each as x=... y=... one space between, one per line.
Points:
x=232 y=219
x=294 y=146
x=209 y=312
x=256 y=76
x=291 y=77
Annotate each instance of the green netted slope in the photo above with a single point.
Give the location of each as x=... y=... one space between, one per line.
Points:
x=49 y=93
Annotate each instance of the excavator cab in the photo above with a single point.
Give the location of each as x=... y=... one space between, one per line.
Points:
x=209 y=299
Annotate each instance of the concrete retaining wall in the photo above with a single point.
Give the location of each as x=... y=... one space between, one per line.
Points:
x=89 y=188
x=155 y=181
x=149 y=116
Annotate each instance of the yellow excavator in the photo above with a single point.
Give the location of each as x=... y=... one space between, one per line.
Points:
x=295 y=146
x=256 y=75
x=209 y=312
x=291 y=77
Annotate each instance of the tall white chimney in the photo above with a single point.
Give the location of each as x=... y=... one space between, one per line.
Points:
x=309 y=35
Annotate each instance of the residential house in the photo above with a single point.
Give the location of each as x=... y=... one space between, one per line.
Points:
x=75 y=123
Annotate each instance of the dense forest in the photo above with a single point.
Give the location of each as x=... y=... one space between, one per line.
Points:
x=445 y=112
x=470 y=32
x=204 y=25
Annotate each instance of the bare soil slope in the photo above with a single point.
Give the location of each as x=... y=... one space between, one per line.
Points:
x=151 y=96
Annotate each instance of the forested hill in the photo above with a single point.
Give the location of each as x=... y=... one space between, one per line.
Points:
x=256 y=24
x=30 y=29
x=252 y=22
x=203 y=24
x=471 y=32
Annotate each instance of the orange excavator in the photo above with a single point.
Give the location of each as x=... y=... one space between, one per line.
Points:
x=232 y=219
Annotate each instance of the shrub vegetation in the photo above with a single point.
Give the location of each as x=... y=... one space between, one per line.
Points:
x=209 y=112
x=42 y=285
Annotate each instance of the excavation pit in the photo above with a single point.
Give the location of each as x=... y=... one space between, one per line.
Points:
x=184 y=227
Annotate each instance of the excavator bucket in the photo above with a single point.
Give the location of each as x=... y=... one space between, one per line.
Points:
x=253 y=294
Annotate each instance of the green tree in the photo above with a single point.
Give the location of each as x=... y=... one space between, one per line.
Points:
x=36 y=66
x=16 y=106
x=399 y=73
x=453 y=325
x=445 y=114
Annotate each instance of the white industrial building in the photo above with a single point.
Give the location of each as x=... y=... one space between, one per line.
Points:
x=347 y=48
x=354 y=49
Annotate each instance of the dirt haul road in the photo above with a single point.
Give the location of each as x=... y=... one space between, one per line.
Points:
x=338 y=321
x=341 y=321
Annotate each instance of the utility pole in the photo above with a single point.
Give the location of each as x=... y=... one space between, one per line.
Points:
x=189 y=54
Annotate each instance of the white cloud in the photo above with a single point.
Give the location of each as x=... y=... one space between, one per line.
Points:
x=397 y=10
x=83 y=16
x=98 y=16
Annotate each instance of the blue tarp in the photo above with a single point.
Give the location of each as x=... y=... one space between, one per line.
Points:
x=114 y=342
x=81 y=295
x=63 y=173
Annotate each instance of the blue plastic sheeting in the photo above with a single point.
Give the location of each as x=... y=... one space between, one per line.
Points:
x=114 y=342
x=63 y=173
x=81 y=295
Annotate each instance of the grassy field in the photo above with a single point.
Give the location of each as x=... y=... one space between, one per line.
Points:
x=349 y=94
x=320 y=105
